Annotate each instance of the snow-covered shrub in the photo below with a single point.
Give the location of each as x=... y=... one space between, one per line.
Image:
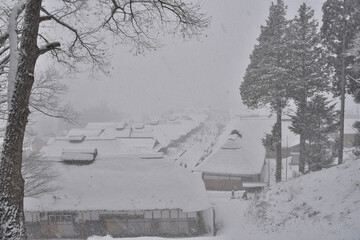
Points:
x=257 y=211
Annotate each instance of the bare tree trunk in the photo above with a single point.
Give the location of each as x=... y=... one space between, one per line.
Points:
x=12 y=225
x=342 y=94
x=302 y=153
x=278 y=144
x=303 y=109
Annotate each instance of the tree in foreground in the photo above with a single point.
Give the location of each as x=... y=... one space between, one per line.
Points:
x=354 y=76
x=138 y=23
x=265 y=81
x=308 y=73
x=341 y=22
x=354 y=68
x=320 y=119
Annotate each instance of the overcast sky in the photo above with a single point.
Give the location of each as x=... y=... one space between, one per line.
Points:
x=184 y=73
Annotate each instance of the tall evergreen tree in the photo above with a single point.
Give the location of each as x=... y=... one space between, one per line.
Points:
x=354 y=75
x=341 y=21
x=321 y=120
x=308 y=71
x=265 y=81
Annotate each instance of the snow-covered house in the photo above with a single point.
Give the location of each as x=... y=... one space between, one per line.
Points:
x=127 y=189
x=239 y=164
x=106 y=140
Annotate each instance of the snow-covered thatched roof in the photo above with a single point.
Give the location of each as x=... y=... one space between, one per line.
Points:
x=167 y=133
x=240 y=157
x=105 y=147
x=109 y=141
x=89 y=133
x=244 y=153
x=124 y=183
x=142 y=133
x=234 y=142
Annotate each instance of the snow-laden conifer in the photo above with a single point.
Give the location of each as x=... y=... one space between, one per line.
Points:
x=266 y=78
x=309 y=73
x=341 y=21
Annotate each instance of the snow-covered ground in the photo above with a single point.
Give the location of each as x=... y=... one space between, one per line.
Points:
x=320 y=205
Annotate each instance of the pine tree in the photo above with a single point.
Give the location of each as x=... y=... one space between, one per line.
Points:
x=308 y=71
x=341 y=21
x=354 y=68
x=321 y=120
x=265 y=80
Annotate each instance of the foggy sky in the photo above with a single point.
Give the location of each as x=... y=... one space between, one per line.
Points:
x=191 y=73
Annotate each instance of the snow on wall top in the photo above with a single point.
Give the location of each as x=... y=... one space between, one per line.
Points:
x=123 y=184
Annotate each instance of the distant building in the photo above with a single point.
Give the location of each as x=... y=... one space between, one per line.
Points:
x=111 y=183
x=108 y=139
x=290 y=142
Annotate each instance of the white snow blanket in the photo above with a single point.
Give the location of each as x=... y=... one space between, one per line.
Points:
x=123 y=184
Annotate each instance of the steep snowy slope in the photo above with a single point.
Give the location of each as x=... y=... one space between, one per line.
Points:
x=320 y=205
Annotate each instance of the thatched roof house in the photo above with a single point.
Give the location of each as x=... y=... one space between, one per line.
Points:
x=240 y=161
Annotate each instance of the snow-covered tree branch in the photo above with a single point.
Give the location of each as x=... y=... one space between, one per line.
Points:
x=138 y=23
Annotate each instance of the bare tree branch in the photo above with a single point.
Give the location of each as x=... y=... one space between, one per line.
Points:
x=134 y=21
x=47 y=94
x=48 y=47
x=83 y=40
x=45 y=18
x=38 y=175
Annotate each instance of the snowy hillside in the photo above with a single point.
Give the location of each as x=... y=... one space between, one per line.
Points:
x=326 y=203
x=320 y=205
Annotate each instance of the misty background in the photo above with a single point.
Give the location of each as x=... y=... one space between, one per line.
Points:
x=181 y=74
